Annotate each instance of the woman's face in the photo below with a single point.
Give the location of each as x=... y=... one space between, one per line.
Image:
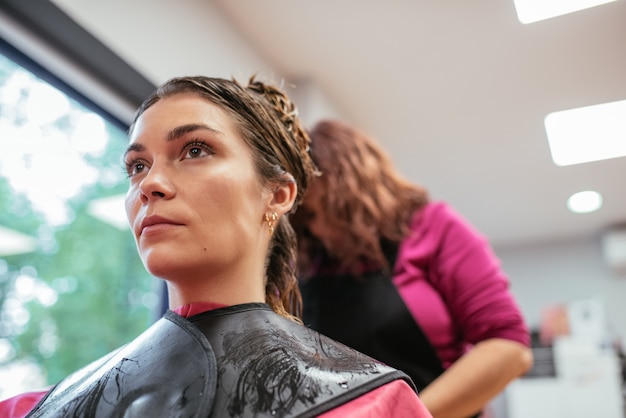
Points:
x=318 y=223
x=195 y=202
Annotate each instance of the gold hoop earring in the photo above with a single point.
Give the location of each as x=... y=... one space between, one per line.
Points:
x=271 y=221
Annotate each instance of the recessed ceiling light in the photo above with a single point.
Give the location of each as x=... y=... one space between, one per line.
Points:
x=587 y=134
x=529 y=11
x=584 y=202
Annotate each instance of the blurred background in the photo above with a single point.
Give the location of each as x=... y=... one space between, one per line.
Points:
x=504 y=111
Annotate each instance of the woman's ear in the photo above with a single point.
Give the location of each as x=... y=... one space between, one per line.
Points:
x=283 y=195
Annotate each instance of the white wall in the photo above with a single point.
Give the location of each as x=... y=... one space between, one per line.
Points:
x=562 y=272
x=154 y=36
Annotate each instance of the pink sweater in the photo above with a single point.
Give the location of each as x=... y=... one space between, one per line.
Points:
x=452 y=283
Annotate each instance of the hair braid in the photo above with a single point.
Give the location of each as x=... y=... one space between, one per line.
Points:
x=282 y=292
x=287 y=113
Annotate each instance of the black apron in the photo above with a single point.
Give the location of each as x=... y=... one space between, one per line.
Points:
x=371 y=317
x=368 y=314
x=239 y=361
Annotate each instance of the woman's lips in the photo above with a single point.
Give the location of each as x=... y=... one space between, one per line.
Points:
x=155 y=224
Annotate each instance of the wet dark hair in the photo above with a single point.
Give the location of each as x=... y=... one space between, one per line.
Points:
x=268 y=122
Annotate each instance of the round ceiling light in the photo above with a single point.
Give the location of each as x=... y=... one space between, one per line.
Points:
x=584 y=202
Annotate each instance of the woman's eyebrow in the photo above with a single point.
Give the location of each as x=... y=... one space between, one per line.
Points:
x=134 y=147
x=179 y=131
x=175 y=134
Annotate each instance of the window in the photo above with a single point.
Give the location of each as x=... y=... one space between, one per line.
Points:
x=72 y=287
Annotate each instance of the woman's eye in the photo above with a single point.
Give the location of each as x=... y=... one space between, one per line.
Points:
x=197 y=149
x=195 y=152
x=134 y=167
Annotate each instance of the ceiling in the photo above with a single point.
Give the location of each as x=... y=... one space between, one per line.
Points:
x=456 y=91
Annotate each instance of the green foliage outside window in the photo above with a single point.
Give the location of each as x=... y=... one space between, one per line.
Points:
x=79 y=290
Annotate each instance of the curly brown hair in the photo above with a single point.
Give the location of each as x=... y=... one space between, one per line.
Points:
x=268 y=122
x=364 y=197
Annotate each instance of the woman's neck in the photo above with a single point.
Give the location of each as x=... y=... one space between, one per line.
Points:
x=233 y=292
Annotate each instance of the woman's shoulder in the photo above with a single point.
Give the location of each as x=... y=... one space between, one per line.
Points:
x=393 y=400
x=19 y=406
x=438 y=209
x=434 y=217
x=441 y=217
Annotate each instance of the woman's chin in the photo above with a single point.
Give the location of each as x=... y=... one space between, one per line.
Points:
x=160 y=265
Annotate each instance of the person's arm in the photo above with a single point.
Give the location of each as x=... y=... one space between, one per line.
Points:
x=467 y=276
x=473 y=380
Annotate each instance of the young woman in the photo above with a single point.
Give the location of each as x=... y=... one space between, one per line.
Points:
x=403 y=279
x=214 y=168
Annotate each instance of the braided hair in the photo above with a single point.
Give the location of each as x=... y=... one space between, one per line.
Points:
x=268 y=122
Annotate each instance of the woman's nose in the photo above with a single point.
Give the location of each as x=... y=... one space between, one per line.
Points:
x=156 y=185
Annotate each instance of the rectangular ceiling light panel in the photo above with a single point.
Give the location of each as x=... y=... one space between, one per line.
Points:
x=529 y=11
x=587 y=134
